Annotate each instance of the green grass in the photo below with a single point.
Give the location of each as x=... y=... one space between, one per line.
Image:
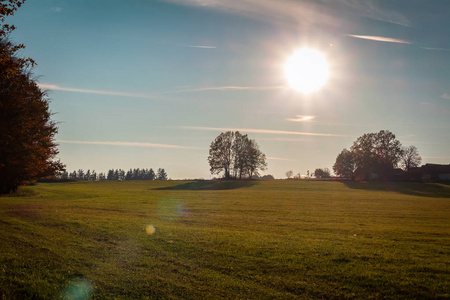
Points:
x=230 y=240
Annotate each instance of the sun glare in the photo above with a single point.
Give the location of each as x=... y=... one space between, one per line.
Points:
x=307 y=70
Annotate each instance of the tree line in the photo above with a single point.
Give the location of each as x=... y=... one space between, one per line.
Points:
x=318 y=173
x=376 y=156
x=115 y=174
x=372 y=156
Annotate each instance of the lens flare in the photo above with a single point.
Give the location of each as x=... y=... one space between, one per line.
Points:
x=78 y=289
x=171 y=210
x=150 y=229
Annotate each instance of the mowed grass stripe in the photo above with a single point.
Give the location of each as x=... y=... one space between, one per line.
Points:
x=233 y=240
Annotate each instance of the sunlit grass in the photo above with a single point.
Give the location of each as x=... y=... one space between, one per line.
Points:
x=274 y=239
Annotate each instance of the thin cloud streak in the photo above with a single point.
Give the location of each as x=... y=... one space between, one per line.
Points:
x=263 y=131
x=224 y=88
x=435 y=49
x=285 y=139
x=370 y=9
x=87 y=91
x=126 y=144
x=199 y=46
x=379 y=39
x=300 y=118
x=54 y=87
x=269 y=10
x=279 y=158
x=446 y=96
x=304 y=11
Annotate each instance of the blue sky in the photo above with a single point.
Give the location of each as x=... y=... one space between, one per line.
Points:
x=143 y=83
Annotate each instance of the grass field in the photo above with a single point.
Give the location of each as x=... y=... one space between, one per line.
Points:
x=230 y=240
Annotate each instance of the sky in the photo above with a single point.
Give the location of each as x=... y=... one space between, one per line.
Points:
x=150 y=84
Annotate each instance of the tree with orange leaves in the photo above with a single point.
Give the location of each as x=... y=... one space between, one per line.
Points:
x=27 y=147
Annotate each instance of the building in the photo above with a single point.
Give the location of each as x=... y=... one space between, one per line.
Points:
x=430 y=172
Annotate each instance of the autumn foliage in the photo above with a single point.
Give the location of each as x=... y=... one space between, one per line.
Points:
x=27 y=147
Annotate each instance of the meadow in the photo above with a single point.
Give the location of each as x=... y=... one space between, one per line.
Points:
x=226 y=239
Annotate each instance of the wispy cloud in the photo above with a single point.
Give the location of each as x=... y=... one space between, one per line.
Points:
x=446 y=96
x=87 y=91
x=263 y=131
x=380 y=39
x=126 y=144
x=280 y=10
x=199 y=46
x=224 y=88
x=154 y=95
x=300 y=118
x=56 y=9
x=372 y=10
x=435 y=49
x=279 y=158
x=309 y=12
x=283 y=139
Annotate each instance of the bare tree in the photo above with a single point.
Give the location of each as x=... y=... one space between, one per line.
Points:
x=289 y=174
x=410 y=158
x=236 y=156
x=221 y=154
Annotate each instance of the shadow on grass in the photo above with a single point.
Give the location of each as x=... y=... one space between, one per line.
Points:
x=21 y=192
x=212 y=185
x=424 y=189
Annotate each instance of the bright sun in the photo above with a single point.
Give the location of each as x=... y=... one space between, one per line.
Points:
x=307 y=70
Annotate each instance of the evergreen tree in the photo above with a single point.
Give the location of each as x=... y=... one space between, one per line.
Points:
x=73 y=175
x=80 y=174
x=110 y=175
x=129 y=175
x=161 y=174
x=121 y=175
x=65 y=175
x=93 y=176
x=135 y=174
x=151 y=174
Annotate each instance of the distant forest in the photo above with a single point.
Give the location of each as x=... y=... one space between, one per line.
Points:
x=116 y=174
